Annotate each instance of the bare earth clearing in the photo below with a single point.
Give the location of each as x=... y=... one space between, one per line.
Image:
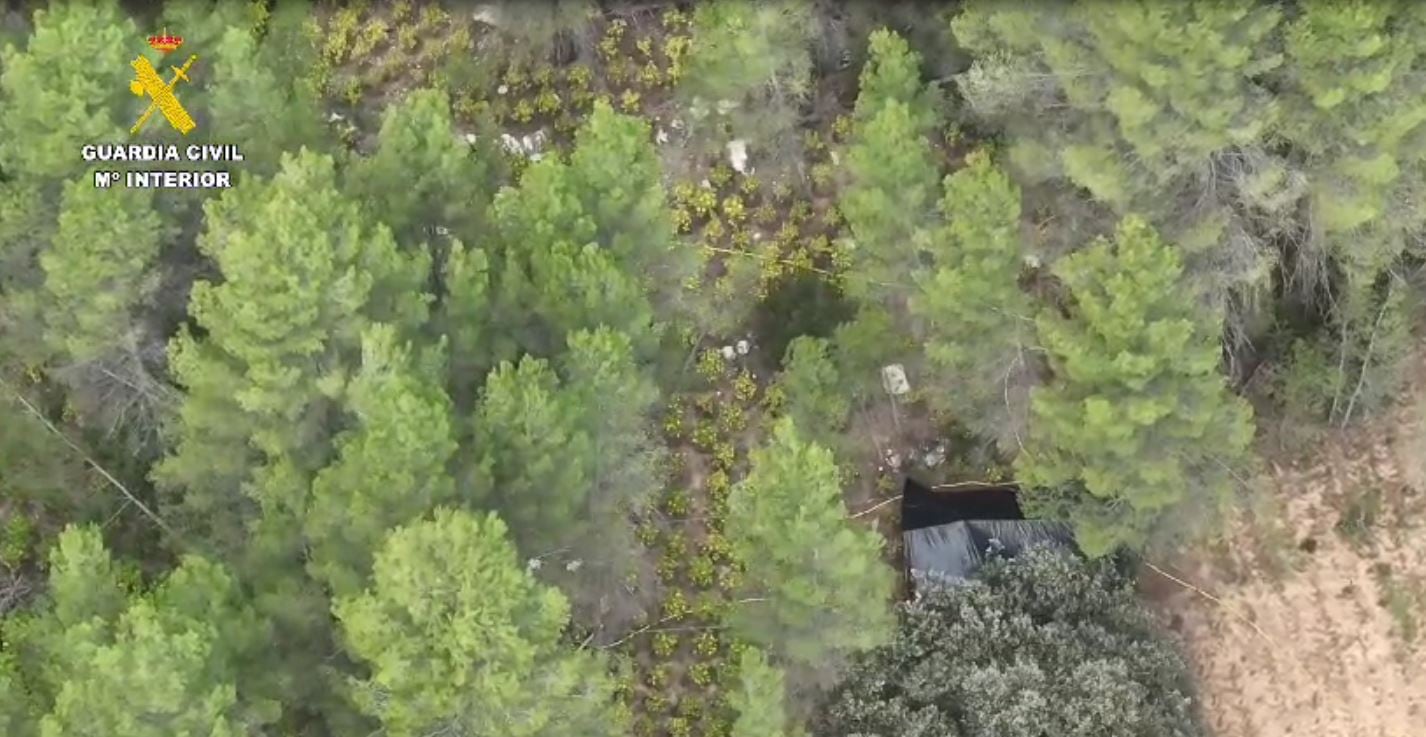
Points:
x=1335 y=580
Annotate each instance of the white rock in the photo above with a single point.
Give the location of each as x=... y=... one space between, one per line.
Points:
x=442 y=230
x=487 y=14
x=729 y=352
x=836 y=157
x=470 y=138
x=335 y=116
x=502 y=89
x=727 y=106
x=534 y=142
x=676 y=124
x=661 y=136
x=893 y=379
x=1031 y=261
x=738 y=155
x=744 y=347
x=533 y=565
x=573 y=565
x=511 y=144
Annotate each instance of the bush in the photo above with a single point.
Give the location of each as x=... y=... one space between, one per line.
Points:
x=1045 y=644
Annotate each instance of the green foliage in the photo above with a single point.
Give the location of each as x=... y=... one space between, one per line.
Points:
x=977 y=322
x=739 y=48
x=1353 y=105
x=615 y=173
x=303 y=273
x=748 y=68
x=1042 y=644
x=565 y=457
x=54 y=100
x=758 y=699
x=390 y=468
x=422 y=176
x=587 y=243
x=893 y=73
x=533 y=453
x=1137 y=428
x=814 y=396
x=463 y=317
x=449 y=593
x=1356 y=365
x=84 y=582
x=1157 y=110
x=890 y=197
x=94 y=283
x=19 y=537
x=825 y=587
x=194 y=630
x=258 y=104
x=41 y=472
x=17 y=717
x=1152 y=90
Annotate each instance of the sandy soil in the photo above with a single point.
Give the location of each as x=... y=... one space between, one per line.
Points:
x=1304 y=642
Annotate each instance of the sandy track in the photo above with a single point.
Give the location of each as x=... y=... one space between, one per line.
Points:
x=1331 y=660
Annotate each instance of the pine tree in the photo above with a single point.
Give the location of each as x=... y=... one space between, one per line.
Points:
x=193 y=634
x=17 y=716
x=94 y=283
x=533 y=467
x=820 y=587
x=259 y=106
x=976 y=321
x=449 y=593
x=1137 y=428
x=390 y=467
x=464 y=318
x=423 y=176
x=758 y=700
x=569 y=261
x=54 y=100
x=1153 y=89
x=812 y=391
x=566 y=454
x=748 y=70
x=889 y=198
x=303 y=273
x=615 y=173
x=1362 y=124
x=893 y=73
x=1156 y=109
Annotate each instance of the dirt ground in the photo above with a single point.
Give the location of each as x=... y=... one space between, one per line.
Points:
x=1320 y=630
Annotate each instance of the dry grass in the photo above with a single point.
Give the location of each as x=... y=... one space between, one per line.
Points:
x=1340 y=650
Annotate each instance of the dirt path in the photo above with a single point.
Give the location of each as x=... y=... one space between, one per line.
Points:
x=1333 y=657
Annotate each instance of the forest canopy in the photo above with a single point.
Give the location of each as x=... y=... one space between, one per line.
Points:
x=551 y=368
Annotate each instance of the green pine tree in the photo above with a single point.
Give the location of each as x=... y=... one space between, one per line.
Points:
x=818 y=586
x=1137 y=429
x=976 y=321
x=450 y=594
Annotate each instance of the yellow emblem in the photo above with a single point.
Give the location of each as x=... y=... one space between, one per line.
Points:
x=147 y=82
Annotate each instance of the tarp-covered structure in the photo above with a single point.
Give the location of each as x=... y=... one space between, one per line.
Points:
x=948 y=535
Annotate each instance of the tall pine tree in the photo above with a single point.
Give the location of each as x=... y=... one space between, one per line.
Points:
x=1137 y=433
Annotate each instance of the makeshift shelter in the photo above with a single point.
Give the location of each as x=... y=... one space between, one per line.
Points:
x=949 y=534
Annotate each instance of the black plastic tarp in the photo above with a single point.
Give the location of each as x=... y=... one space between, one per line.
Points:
x=922 y=507
x=954 y=552
x=948 y=535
